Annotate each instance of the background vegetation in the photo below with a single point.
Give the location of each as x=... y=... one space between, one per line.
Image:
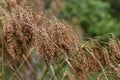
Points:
x=95 y=17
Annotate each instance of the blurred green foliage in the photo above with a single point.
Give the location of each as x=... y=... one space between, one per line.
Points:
x=115 y=6
x=94 y=16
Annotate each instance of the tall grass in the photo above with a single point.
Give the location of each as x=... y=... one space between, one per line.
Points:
x=35 y=46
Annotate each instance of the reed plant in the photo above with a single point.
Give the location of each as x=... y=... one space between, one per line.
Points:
x=35 y=46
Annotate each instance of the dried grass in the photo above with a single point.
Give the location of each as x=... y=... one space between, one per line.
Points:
x=23 y=29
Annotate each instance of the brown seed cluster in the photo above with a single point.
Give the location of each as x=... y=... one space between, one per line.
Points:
x=114 y=47
x=95 y=56
x=23 y=30
x=18 y=37
x=57 y=38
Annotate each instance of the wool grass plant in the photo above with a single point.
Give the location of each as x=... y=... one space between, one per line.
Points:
x=35 y=46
